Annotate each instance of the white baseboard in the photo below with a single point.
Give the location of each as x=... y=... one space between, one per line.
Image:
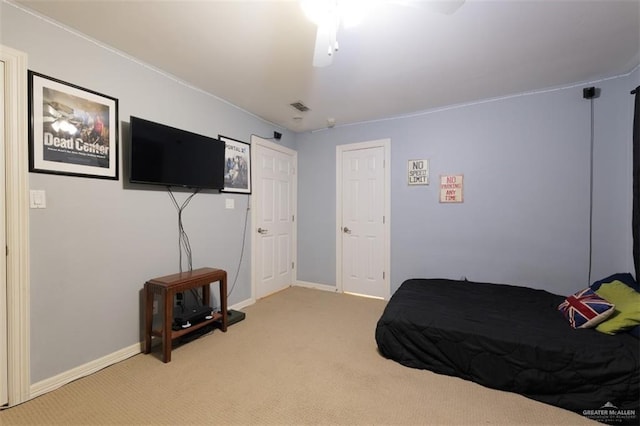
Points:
x=316 y=286
x=243 y=304
x=91 y=367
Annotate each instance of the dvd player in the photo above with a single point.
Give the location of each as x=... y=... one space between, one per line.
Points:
x=187 y=317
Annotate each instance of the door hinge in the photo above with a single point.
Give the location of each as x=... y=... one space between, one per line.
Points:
x=6 y=250
x=293 y=218
x=383 y=275
x=293 y=265
x=383 y=219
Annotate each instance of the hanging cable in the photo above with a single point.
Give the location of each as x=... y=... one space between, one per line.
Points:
x=591 y=93
x=591 y=194
x=244 y=233
x=183 y=238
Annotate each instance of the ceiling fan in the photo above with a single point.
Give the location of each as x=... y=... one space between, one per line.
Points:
x=329 y=14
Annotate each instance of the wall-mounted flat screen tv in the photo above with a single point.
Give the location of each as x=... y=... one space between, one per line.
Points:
x=164 y=155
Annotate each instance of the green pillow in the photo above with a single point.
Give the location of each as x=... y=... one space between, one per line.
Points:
x=627 y=310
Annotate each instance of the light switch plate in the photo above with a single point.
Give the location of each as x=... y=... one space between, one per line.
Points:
x=37 y=199
x=229 y=203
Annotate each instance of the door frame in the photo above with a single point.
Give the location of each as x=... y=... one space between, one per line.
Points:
x=340 y=150
x=255 y=205
x=4 y=399
x=17 y=224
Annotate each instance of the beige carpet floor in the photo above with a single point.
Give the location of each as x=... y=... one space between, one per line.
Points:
x=301 y=356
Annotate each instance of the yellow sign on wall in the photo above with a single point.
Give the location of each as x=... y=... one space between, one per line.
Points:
x=451 y=187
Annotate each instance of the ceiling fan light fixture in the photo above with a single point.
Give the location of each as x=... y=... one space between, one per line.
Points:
x=353 y=12
x=321 y=12
x=328 y=15
x=333 y=12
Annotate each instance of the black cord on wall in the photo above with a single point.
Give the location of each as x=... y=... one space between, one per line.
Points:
x=244 y=234
x=591 y=195
x=591 y=93
x=183 y=238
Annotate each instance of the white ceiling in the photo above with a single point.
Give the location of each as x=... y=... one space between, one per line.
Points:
x=401 y=60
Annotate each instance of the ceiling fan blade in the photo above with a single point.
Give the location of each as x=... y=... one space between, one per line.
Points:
x=325 y=45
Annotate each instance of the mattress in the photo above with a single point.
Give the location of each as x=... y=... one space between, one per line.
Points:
x=509 y=338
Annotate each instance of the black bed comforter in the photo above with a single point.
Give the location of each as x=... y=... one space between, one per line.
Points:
x=509 y=338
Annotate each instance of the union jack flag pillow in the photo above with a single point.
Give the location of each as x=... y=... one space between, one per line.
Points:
x=585 y=309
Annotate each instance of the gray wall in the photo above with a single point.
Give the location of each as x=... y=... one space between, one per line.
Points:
x=613 y=183
x=97 y=242
x=525 y=216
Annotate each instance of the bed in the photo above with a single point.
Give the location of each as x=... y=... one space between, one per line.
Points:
x=514 y=339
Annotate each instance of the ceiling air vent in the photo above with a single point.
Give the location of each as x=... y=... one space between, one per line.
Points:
x=300 y=106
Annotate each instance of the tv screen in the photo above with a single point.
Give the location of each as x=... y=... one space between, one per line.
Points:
x=163 y=155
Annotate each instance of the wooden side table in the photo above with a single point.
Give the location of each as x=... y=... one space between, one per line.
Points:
x=166 y=287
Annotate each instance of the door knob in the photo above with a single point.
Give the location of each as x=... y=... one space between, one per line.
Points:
x=346 y=230
x=262 y=231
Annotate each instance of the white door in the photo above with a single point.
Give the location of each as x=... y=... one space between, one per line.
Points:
x=273 y=169
x=3 y=262
x=363 y=219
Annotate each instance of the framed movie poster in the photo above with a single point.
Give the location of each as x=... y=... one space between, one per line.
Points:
x=237 y=166
x=73 y=131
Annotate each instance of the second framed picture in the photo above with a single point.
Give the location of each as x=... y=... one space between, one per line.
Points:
x=237 y=166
